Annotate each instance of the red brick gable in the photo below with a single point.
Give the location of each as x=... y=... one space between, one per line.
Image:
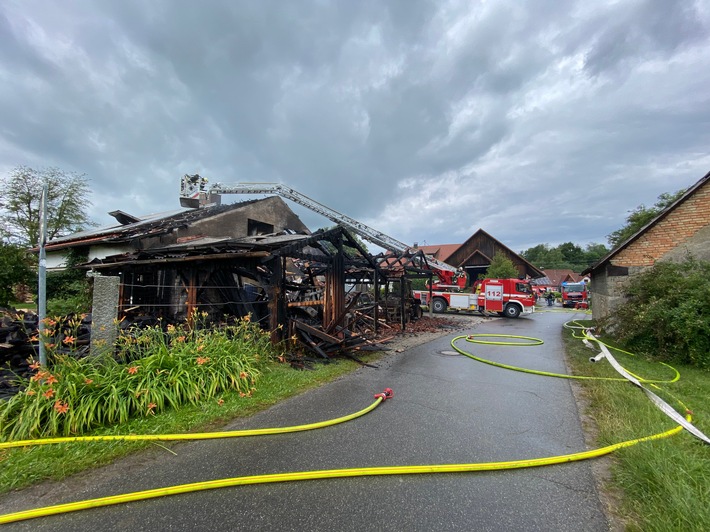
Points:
x=674 y=226
x=679 y=225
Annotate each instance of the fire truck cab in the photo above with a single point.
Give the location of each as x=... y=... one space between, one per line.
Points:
x=574 y=294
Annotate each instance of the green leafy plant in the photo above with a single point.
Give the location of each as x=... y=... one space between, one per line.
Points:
x=501 y=268
x=667 y=312
x=155 y=370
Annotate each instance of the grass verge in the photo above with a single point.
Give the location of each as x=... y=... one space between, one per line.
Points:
x=663 y=485
x=23 y=467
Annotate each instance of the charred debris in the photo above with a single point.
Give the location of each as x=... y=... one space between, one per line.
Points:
x=322 y=290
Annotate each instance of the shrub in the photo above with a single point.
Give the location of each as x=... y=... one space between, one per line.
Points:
x=156 y=370
x=667 y=312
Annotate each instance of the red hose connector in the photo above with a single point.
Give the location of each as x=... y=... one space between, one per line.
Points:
x=385 y=395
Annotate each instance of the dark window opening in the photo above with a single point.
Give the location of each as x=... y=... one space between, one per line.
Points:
x=255 y=227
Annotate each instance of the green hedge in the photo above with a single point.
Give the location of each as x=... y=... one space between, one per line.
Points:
x=667 y=312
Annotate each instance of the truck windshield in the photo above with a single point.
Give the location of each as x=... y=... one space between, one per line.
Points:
x=576 y=287
x=523 y=288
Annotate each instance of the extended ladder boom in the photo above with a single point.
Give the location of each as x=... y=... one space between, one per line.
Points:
x=194 y=191
x=193 y=186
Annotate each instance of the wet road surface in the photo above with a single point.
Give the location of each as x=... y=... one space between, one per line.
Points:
x=446 y=409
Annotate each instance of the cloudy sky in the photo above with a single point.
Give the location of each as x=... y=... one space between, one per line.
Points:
x=538 y=121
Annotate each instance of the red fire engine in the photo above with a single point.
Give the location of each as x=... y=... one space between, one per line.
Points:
x=574 y=294
x=506 y=297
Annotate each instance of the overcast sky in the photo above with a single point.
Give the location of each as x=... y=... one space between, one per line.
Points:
x=537 y=121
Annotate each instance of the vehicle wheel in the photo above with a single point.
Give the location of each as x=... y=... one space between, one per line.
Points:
x=439 y=305
x=512 y=311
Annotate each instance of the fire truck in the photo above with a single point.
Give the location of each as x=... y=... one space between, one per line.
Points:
x=574 y=294
x=505 y=297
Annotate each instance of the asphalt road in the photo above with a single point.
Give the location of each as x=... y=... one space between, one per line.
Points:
x=447 y=409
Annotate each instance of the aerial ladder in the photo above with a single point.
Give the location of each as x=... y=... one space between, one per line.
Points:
x=195 y=192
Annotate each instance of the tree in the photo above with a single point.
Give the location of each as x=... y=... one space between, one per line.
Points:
x=501 y=268
x=67 y=201
x=572 y=253
x=594 y=252
x=640 y=216
x=567 y=256
x=14 y=270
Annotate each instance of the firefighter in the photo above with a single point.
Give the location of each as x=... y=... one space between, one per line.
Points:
x=550 y=298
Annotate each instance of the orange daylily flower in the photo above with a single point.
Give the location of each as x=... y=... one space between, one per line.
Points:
x=39 y=376
x=49 y=393
x=133 y=370
x=202 y=360
x=61 y=407
x=69 y=340
x=243 y=375
x=51 y=379
x=180 y=339
x=220 y=402
x=35 y=365
x=31 y=392
x=151 y=407
x=88 y=381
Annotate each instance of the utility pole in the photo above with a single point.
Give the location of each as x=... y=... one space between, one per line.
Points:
x=42 y=288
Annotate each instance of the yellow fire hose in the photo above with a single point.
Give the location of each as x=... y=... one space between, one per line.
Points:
x=474 y=338
x=352 y=472
x=202 y=435
x=321 y=474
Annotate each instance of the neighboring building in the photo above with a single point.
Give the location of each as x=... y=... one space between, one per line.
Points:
x=208 y=224
x=555 y=277
x=682 y=229
x=440 y=252
x=475 y=255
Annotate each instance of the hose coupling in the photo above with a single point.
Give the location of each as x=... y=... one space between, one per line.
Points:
x=597 y=358
x=385 y=395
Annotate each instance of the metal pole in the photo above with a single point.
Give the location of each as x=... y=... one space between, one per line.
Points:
x=42 y=287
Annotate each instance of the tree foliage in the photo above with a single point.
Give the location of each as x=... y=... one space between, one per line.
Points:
x=69 y=291
x=640 y=216
x=501 y=268
x=567 y=256
x=14 y=269
x=667 y=312
x=67 y=201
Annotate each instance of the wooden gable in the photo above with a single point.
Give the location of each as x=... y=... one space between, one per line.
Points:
x=476 y=253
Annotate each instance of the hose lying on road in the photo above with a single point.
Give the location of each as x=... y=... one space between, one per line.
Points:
x=365 y=471
x=321 y=474
x=202 y=435
x=473 y=338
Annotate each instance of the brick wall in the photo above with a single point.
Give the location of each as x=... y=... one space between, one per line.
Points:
x=678 y=226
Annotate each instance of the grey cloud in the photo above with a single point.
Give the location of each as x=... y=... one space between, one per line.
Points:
x=348 y=101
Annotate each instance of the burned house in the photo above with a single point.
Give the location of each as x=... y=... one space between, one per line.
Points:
x=323 y=289
x=209 y=224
